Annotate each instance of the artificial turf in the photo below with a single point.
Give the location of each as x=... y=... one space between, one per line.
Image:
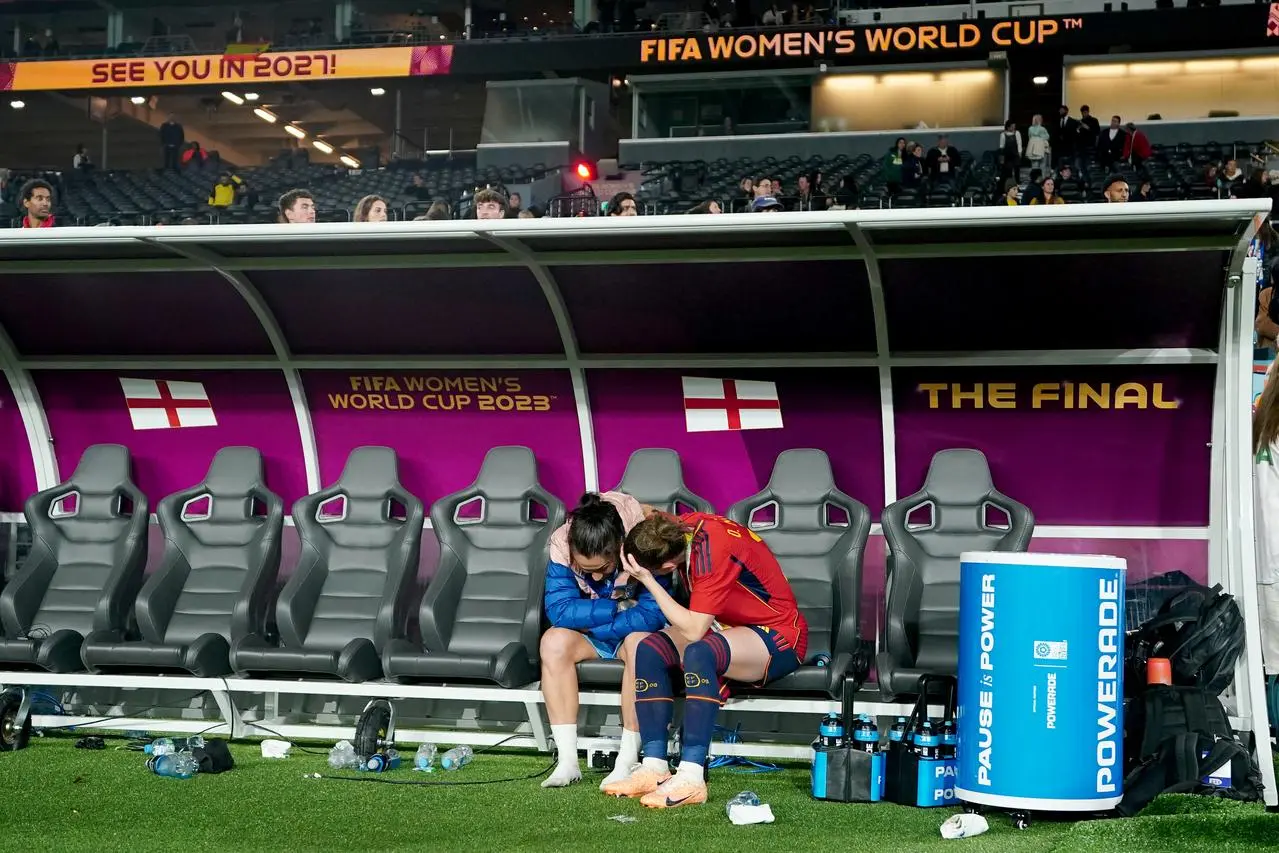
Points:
x=54 y=797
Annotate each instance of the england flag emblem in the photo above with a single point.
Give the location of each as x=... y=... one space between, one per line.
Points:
x=718 y=405
x=167 y=404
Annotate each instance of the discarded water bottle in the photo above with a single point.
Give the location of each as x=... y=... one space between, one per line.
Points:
x=192 y=743
x=342 y=756
x=381 y=761
x=160 y=746
x=745 y=798
x=424 y=760
x=456 y=758
x=176 y=765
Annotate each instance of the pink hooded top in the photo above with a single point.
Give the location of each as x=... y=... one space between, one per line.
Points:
x=631 y=511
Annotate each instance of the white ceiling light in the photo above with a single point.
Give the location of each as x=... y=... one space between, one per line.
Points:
x=233 y=98
x=138 y=99
x=377 y=90
x=250 y=96
x=350 y=161
x=17 y=105
x=1041 y=80
x=294 y=130
x=323 y=146
x=264 y=115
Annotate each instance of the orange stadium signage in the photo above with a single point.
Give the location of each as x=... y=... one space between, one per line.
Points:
x=218 y=69
x=844 y=42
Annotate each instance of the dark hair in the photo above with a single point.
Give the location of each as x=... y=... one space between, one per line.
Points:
x=30 y=187
x=656 y=540
x=595 y=528
x=615 y=203
x=291 y=198
x=365 y=206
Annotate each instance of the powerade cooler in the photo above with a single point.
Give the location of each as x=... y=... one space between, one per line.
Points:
x=1041 y=655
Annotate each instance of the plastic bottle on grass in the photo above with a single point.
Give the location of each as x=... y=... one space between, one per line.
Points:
x=382 y=761
x=745 y=798
x=457 y=757
x=342 y=756
x=176 y=765
x=160 y=746
x=424 y=760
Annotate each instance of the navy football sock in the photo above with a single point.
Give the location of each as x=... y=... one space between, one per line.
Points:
x=654 y=702
x=704 y=662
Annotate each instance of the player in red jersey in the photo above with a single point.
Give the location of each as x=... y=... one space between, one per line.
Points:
x=741 y=624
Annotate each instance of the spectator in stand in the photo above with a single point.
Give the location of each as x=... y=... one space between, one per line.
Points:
x=1038 y=149
x=763 y=187
x=1089 y=131
x=942 y=162
x=526 y=214
x=438 y=210
x=194 y=155
x=1137 y=148
x=172 y=138
x=1064 y=138
x=489 y=204
x=37 y=201
x=81 y=162
x=296 y=207
x=1112 y=143
x=894 y=160
x=766 y=204
x=1011 y=195
x=371 y=208
x=805 y=198
x=707 y=207
x=417 y=189
x=1145 y=193
x=1048 y=193
x=223 y=193
x=1116 y=190
x=514 y=206
x=913 y=168
x=1227 y=178
x=1265 y=326
x=622 y=204
x=1034 y=187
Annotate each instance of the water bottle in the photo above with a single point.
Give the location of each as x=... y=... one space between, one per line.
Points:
x=176 y=765
x=342 y=756
x=821 y=659
x=897 y=733
x=745 y=798
x=949 y=738
x=457 y=757
x=831 y=731
x=927 y=743
x=160 y=746
x=381 y=761
x=866 y=734
x=424 y=760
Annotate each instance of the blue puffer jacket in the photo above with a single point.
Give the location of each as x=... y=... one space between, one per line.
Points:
x=568 y=607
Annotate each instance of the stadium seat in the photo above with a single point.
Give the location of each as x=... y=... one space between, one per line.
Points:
x=221 y=558
x=655 y=477
x=348 y=596
x=819 y=535
x=481 y=616
x=922 y=582
x=87 y=558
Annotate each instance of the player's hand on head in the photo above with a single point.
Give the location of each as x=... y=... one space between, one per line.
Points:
x=635 y=570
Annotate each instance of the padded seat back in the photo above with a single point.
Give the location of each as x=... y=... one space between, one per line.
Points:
x=359 y=557
x=219 y=536
x=818 y=535
x=89 y=542
x=922 y=591
x=655 y=477
x=492 y=559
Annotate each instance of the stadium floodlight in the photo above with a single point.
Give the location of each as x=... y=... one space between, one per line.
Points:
x=294 y=130
x=265 y=115
x=323 y=146
x=377 y=90
x=138 y=99
x=17 y=105
x=348 y=160
x=1041 y=80
x=250 y=96
x=233 y=98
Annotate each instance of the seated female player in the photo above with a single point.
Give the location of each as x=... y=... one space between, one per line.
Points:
x=742 y=624
x=592 y=607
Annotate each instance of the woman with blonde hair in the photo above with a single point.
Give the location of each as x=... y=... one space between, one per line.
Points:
x=371 y=208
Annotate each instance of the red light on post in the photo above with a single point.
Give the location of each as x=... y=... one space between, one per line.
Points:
x=586 y=171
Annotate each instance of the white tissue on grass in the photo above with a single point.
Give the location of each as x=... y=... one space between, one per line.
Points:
x=743 y=815
x=964 y=826
x=272 y=748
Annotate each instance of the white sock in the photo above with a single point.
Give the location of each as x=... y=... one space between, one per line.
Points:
x=627 y=758
x=657 y=765
x=691 y=771
x=567 y=770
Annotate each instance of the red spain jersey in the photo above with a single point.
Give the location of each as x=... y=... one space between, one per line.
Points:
x=732 y=575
